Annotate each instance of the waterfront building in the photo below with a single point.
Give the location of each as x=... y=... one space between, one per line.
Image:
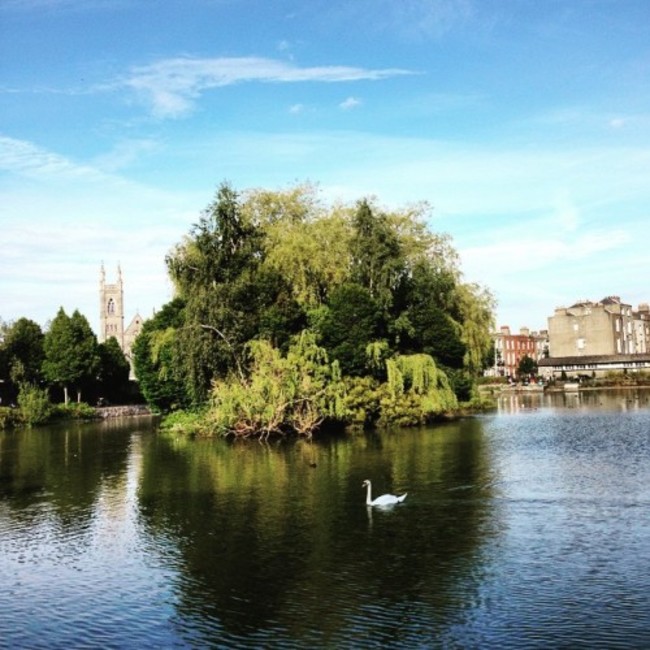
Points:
x=510 y=349
x=592 y=328
x=591 y=339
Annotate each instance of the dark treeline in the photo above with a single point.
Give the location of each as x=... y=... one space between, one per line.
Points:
x=38 y=369
x=291 y=314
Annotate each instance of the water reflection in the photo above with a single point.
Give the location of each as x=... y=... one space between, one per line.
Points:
x=618 y=399
x=523 y=528
x=271 y=532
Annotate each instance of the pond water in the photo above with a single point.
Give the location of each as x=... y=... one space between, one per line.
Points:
x=524 y=528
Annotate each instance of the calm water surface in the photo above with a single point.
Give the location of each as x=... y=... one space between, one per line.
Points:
x=526 y=528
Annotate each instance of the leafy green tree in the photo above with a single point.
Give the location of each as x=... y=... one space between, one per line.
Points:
x=476 y=307
x=71 y=353
x=231 y=296
x=22 y=349
x=114 y=369
x=526 y=366
x=431 y=329
x=214 y=272
x=352 y=321
x=155 y=358
x=33 y=404
x=377 y=260
x=293 y=393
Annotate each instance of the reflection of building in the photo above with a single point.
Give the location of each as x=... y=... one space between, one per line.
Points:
x=510 y=349
x=111 y=315
x=593 y=338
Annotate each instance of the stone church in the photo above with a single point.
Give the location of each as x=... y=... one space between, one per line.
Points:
x=111 y=316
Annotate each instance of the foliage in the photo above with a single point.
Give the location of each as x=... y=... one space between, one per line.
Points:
x=361 y=402
x=193 y=423
x=380 y=294
x=155 y=359
x=292 y=393
x=377 y=260
x=230 y=297
x=351 y=323
x=114 y=369
x=9 y=417
x=33 y=404
x=526 y=366
x=416 y=392
x=21 y=355
x=74 y=411
x=71 y=352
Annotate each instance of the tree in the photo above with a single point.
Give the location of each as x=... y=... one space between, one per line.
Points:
x=214 y=272
x=114 y=369
x=22 y=351
x=377 y=260
x=526 y=366
x=431 y=329
x=351 y=322
x=71 y=353
x=155 y=358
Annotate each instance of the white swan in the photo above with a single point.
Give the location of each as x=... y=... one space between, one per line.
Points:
x=384 y=499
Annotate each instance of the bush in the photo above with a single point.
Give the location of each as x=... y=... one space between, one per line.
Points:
x=33 y=404
x=9 y=417
x=189 y=423
x=74 y=411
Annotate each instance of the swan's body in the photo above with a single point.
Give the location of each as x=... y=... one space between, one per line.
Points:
x=383 y=500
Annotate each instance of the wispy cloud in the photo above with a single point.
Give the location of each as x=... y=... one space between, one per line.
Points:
x=406 y=19
x=172 y=86
x=27 y=159
x=350 y=103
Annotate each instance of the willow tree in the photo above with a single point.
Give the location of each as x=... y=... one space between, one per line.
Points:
x=292 y=393
x=305 y=243
x=418 y=391
x=476 y=306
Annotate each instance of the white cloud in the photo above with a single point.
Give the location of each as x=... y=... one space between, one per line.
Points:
x=350 y=103
x=172 y=86
x=296 y=109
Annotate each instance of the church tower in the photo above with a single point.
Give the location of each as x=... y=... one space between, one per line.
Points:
x=111 y=300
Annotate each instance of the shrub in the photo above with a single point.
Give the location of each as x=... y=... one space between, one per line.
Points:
x=33 y=404
x=9 y=417
x=74 y=411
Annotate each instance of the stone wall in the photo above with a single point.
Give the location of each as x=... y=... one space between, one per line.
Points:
x=122 y=411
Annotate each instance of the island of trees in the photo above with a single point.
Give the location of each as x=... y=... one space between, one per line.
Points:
x=289 y=316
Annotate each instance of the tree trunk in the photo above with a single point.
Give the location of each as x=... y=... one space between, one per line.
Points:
x=65 y=395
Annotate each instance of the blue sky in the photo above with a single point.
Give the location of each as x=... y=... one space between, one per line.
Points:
x=524 y=123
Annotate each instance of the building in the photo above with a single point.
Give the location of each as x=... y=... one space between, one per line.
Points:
x=592 y=328
x=642 y=328
x=510 y=349
x=590 y=339
x=111 y=316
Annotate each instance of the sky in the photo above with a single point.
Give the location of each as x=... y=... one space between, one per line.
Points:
x=525 y=124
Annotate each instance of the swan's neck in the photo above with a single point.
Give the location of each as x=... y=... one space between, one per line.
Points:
x=368 y=495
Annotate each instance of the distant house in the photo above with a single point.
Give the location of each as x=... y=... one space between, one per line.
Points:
x=594 y=338
x=510 y=349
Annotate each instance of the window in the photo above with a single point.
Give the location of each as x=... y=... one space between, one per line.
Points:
x=110 y=308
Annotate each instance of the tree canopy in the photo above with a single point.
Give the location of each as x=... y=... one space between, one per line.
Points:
x=369 y=287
